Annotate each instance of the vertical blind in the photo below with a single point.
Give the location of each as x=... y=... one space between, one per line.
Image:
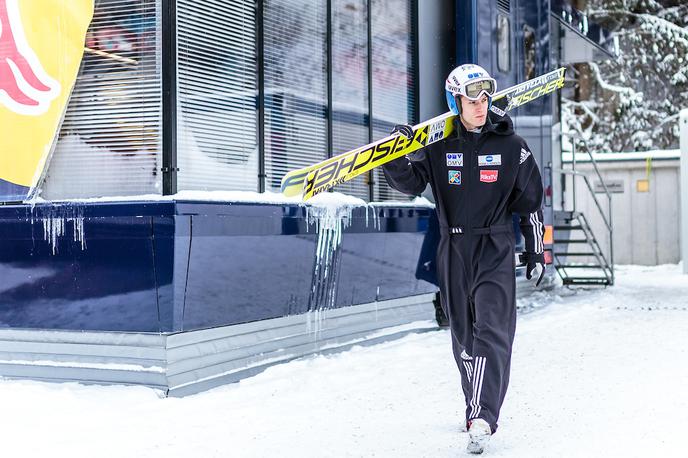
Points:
x=350 y=93
x=393 y=76
x=110 y=140
x=217 y=147
x=295 y=59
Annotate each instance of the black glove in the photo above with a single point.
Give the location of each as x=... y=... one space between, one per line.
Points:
x=403 y=129
x=535 y=265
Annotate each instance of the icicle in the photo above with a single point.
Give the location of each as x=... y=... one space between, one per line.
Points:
x=78 y=225
x=55 y=221
x=53 y=228
x=329 y=221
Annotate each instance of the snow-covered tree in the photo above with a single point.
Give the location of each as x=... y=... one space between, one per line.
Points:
x=633 y=101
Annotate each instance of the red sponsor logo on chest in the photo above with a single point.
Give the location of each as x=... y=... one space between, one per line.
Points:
x=488 y=176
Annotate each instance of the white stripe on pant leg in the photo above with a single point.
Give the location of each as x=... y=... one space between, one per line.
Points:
x=479 y=373
x=480 y=386
x=474 y=407
x=467 y=363
x=476 y=362
x=472 y=403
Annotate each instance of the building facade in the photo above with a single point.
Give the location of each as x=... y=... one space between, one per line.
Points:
x=157 y=212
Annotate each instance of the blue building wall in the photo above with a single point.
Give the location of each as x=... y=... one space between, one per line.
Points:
x=170 y=266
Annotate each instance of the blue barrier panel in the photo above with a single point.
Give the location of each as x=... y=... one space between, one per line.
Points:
x=169 y=266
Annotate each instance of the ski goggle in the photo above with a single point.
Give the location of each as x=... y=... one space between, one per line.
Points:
x=475 y=89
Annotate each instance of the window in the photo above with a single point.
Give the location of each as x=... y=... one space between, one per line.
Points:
x=296 y=82
x=529 y=52
x=318 y=92
x=503 y=43
x=350 y=95
x=110 y=142
x=217 y=139
x=295 y=55
x=393 y=76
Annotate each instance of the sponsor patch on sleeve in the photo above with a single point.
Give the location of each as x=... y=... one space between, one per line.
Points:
x=524 y=155
x=455 y=177
x=489 y=176
x=454 y=159
x=489 y=159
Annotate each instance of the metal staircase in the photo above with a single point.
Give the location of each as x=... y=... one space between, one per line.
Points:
x=578 y=257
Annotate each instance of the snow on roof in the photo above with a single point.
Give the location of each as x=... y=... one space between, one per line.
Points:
x=323 y=200
x=623 y=156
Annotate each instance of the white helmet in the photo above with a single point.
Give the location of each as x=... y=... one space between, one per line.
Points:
x=471 y=81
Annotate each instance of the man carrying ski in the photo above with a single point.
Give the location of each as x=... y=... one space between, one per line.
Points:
x=479 y=176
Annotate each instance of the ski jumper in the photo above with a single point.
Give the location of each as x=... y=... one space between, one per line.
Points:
x=478 y=181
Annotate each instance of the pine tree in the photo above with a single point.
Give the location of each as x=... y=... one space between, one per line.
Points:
x=635 y=99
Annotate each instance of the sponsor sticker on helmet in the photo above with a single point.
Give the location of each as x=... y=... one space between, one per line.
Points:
x=490 y=159
x=455 y=177
x=489 y=176
x=454 y=159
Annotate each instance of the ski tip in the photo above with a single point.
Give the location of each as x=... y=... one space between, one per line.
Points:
x=292 y=183
x=291 y=189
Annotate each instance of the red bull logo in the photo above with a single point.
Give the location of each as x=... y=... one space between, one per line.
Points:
x=25 y=87
x=41 y=47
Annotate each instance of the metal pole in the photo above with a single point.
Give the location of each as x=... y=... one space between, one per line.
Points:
x=371 y=174
x=611 y=235
x=169 y=97
x=683 y=125
x=330 y=108
x=573 y=177
x=260 y=58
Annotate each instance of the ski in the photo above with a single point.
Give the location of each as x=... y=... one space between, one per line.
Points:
x=312 y=180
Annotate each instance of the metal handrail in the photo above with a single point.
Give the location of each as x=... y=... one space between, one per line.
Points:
x=592 y=191
x=607 y=267
x=574 y=173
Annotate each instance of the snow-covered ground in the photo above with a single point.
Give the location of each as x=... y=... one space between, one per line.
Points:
x=595 y=374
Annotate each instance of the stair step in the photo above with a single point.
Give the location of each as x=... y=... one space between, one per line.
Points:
x=580 y=266
x=568 y=216
x=565 y=214
x=586 y=281
x=562 y=241
x=572 y=253
x=568 y=228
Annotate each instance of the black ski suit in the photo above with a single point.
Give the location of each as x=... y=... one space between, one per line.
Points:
x=478 y=181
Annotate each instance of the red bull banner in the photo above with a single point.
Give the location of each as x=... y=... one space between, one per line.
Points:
x=41 y=46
